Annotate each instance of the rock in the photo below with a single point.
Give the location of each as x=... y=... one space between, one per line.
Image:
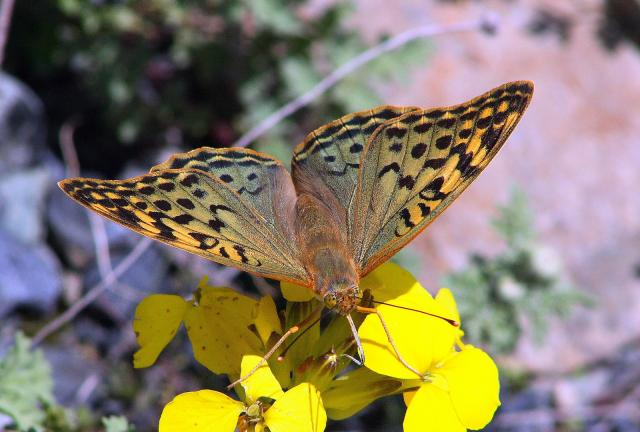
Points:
x=513 y=414
x=146 y=276
x=72 y=373
x=574 y=394
x=22 y=131
x=22 y=199
x=30 y=276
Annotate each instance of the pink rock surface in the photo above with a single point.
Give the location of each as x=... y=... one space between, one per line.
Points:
x=576 y=153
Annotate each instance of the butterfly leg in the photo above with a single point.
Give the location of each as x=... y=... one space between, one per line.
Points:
x=293 y=330
x=356 y=337
x=389 y=338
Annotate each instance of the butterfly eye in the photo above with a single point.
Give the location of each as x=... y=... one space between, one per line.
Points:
x=330 y=300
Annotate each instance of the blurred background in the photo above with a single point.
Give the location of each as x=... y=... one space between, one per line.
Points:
x=542 y=251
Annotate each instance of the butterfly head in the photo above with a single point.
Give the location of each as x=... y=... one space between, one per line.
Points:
x=342 y=297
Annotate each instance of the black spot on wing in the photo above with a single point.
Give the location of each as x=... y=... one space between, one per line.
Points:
x=395 y=148
x=393 y=166
x=216 y=224
x=446 y=123
x=186 y=203
x=355 y=148
x=435 y=163
x=418 y=150
x=396 y=132
x=423 y=128
x=444 y=141
x=465 y=133
x=483 y=122
x=183 y=219
x=167 y=187
x=162 y=205
x=217 y=207
x=407 y=182
x=189 y=180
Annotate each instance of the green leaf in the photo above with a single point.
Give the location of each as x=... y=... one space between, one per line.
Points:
x=117 y=424
x=25 y=384
x=515 y=220
x=271 y=15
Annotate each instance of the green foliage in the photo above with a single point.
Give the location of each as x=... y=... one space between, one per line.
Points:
x=25 y=385
x=117 y=424
x=147 y=73
x=525 y=282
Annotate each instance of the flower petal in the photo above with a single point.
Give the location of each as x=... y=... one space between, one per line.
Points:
x=261 y=383
x=472 y=378
x=295 y=293
x=201 y=411
x=422 y=340
x=218 y=328
x=156 y=321
x=445 y=298
x=267 y=320
x=300 y=409
x=355 y=390
x=390 y=281
x=408 y=396
x=431 y=409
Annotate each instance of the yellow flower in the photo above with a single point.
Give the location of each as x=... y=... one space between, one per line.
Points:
x=299 y=409
x=460 y=393
x=218 y=322
x=459 y=389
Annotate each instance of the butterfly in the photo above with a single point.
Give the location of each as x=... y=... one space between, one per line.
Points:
x=360 y=188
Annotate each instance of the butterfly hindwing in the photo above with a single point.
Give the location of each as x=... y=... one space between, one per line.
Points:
x=415 y=165
x=233 y=206
x=328 y=160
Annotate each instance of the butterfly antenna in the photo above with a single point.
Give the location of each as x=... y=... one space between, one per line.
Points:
x=390 y=338
x=449 y=320
x=298 y=336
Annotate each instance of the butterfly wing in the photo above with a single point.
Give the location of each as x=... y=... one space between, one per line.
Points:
x=326 y=163
x=415 y=165
x=232 y=206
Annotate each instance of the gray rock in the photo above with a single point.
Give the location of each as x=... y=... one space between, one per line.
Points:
x=21 y=201
x=146 y=276
x=72 y=375
x=22 y=130
x=30 y=275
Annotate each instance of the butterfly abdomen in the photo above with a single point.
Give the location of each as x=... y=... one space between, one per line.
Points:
x=323 y=249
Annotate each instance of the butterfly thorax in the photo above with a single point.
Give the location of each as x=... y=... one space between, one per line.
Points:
x=325 y=255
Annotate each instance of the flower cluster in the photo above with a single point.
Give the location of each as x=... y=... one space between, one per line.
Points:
x=448 y=386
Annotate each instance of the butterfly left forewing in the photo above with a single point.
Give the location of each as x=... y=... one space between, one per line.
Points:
x=415 y=165
x=236 y=211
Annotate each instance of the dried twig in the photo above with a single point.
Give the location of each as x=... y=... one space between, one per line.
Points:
x=93 y=293
x=109 y=275
x=6 y=10
x=485 y=23
x=69 y=154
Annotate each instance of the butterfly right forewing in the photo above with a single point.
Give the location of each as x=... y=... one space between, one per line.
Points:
x=415 y=165
x=326 y=163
